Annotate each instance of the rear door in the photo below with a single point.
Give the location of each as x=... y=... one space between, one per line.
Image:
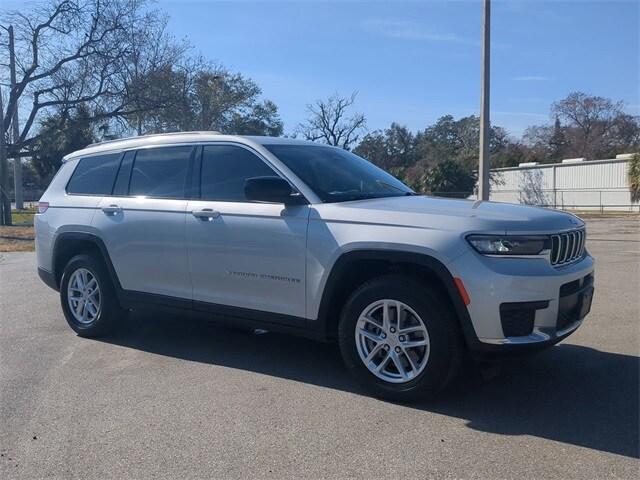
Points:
x=242 y=253
x=143 y=222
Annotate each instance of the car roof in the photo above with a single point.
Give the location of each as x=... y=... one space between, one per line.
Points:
x=178 y=138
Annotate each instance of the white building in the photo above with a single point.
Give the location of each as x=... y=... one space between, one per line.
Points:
x=601 y=185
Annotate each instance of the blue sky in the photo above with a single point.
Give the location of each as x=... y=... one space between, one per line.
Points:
x=413 y=61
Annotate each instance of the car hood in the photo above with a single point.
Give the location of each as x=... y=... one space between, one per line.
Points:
x=450 y=214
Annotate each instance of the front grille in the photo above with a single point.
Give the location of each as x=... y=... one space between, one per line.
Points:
x=567 y=247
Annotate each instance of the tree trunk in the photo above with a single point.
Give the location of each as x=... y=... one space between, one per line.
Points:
x=5 y=202
x=17 y=161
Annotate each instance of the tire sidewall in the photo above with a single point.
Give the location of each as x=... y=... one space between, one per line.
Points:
x=437 y=319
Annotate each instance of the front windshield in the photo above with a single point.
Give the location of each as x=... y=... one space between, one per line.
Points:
x=336 y=175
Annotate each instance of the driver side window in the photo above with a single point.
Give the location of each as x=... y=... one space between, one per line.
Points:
x=225 y=169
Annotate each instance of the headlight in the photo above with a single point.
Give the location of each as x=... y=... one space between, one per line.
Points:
x=509 y=245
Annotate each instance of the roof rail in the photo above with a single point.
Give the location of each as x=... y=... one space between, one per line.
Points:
x=201 y=132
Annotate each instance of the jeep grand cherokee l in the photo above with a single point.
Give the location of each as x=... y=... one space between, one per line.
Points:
x=313 y=240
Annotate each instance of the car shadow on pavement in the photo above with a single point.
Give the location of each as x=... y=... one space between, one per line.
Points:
x=570 y=394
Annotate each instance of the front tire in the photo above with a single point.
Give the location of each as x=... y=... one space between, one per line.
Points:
x=399 y=337
x=88 y=297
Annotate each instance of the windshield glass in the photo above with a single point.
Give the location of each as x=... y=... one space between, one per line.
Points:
x=336 y=175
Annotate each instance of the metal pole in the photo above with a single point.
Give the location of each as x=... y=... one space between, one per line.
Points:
x=555 y=192
x=17 y=161
x=485 y=165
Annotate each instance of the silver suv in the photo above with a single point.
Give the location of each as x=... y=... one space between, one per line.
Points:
x=309 y=239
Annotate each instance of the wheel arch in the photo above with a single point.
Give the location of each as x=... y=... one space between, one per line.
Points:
x=353 y=268
x=69 y=244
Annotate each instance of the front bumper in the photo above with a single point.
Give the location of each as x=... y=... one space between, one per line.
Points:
x=556 y=298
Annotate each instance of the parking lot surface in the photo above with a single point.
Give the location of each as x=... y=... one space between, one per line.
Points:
x=174 y=397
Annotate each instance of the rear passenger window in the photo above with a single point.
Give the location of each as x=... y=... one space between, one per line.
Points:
x=94 y=175
x=225 y=169
x=160 y=172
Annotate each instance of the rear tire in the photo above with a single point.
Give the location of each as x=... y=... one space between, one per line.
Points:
x=407 y=360
x=88 y=297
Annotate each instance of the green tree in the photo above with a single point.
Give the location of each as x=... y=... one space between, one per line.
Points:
x=450 y=179
x=459 y=140
x=391 y=149
x=59 y=135
x=210 y=97
x=558 y=141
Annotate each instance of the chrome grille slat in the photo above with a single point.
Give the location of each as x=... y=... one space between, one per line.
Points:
x=567 y=247
x=555 y=248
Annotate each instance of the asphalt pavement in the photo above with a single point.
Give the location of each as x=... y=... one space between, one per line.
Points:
x=176 y=397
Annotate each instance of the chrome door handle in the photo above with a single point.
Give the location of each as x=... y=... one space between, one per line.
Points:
x=112 y=209
x=206 y=214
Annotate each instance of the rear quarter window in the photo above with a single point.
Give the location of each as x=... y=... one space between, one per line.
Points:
x=94 y=175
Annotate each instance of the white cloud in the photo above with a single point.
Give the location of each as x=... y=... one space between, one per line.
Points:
x=407 y=30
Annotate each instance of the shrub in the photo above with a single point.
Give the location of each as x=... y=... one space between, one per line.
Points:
x=634 y=177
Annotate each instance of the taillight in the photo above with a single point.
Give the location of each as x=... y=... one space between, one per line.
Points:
x=43 y=207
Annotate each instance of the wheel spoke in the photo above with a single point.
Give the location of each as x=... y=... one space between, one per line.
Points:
x=370 y=335
x=412 y=364
x=386 y=321
x=79 y=307
x=92 y=284
x=398 y=363
x=413 y=329
x=382 y=364
x=399 y=314
x=92 y=309
x=414 y=343
x=371 y=320
x=374 y=351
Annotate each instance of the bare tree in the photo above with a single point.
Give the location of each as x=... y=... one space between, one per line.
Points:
x=330 y=121
x=80 y=52
x=591 y=121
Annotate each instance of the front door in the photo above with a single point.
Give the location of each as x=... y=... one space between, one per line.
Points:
x=242 y=253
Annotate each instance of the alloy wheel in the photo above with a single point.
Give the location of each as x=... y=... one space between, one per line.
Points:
x=392 y=341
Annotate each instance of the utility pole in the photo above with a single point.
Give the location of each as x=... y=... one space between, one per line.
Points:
x=485 y=128
x=17 y=161
x=5 y=203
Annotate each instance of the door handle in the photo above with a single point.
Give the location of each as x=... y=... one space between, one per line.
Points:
x=206 y=214
x=112 y=209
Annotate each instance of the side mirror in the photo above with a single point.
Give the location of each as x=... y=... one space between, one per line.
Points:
x=271 y=189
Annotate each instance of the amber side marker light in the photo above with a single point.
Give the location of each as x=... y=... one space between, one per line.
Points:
x=463 y=291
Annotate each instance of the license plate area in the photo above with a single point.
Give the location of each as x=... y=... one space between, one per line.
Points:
x=586 y=298
x=575 y=302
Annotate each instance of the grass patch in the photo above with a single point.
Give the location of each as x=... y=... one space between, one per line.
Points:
x=17 y=239
x=23 y=217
